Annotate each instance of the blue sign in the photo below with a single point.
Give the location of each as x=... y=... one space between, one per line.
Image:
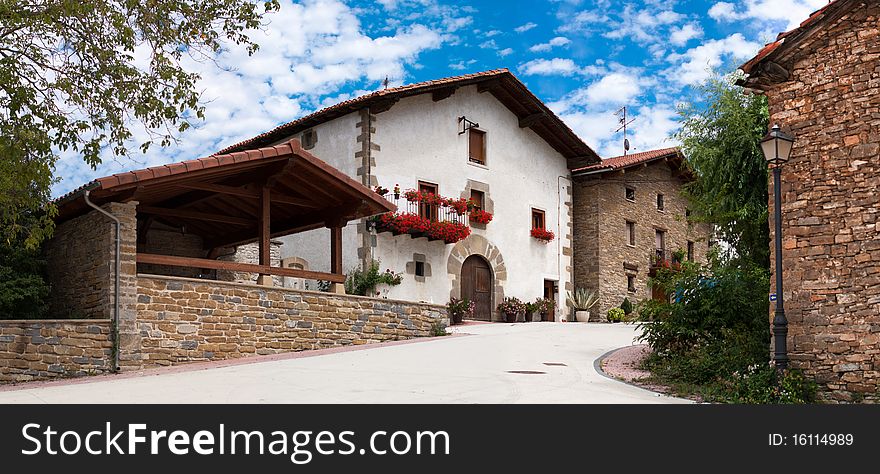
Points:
x=772 y=296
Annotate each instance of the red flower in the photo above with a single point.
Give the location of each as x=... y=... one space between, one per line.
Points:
x=481 y=217
x=543 y=235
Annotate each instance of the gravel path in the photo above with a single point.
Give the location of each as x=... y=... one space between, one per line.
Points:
x=623 y=364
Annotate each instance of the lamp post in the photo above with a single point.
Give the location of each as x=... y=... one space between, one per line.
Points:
x=777 y=149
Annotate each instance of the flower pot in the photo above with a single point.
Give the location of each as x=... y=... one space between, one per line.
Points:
x=582 y=316
x=457 y=318
x=510 y=317
x=537 y=316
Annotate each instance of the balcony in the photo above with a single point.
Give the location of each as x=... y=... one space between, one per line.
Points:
x=421 y=214
x=663 y=258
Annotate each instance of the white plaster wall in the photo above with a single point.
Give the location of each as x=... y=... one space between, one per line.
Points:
x=337 y=143
x=419 y=141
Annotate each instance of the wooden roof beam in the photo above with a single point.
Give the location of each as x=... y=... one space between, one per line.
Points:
x=531 y=119
x=194 y=215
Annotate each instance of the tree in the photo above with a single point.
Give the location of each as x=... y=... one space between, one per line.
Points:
x=80 y=75
x=720 y=139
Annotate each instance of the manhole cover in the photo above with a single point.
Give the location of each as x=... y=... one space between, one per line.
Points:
x=555 y=364
x=526 y=372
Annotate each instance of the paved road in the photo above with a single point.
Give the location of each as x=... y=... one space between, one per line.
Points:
x=464 y=369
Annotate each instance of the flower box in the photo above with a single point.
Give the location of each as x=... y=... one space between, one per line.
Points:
x=543 y=235
x=480 y=216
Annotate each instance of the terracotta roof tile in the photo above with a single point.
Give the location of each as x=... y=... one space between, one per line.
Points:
x=351 y=105
x=627 y=161
x=768 y=49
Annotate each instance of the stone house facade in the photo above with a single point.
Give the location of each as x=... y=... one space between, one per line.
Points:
x=822 y=81
x=482 y=135
x=629 y=215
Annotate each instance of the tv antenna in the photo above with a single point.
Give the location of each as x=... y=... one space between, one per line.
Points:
x=622 y=120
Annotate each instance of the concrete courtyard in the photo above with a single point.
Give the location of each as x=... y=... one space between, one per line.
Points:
x=477 y=365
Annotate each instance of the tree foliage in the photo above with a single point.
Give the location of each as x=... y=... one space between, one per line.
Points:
x=721 y=141
x=81 y=75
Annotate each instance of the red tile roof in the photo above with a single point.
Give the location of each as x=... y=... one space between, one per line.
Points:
x=768 y=49
x=560 y=133
x=628 y=161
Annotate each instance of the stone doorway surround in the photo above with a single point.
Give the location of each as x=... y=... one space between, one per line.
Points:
x=477 y=245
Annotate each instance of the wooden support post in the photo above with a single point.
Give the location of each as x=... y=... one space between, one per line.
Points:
x=336 y=250
x=336 y=254
x=265 y=232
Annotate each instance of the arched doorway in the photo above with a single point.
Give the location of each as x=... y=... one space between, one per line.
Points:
x=477 y=285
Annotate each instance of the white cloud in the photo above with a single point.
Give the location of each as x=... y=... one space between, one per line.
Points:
x=309 y=50
x=652 y=129
x=557 y=41
x=681 y=35
x=615 y=88
x=528 y=26
x=490 y=44
x=695 y=65
x=549 y=67
x=492 y=33
x=792 y=12
x=505 y=52
x=462 y=65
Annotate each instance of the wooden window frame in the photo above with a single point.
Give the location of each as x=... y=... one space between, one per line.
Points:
x=427 y=211
x=630 y=278
x=539 y=212
x=626 y=192
x=661 y=202
x=471 y=158
x=481 y=204
x=630 y=233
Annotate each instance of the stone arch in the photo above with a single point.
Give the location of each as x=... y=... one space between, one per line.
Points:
x=477 y=245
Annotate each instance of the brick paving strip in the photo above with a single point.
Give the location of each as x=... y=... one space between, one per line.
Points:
x=194 y=366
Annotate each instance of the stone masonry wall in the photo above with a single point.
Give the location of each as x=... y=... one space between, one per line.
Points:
x=189 y=320
x=80 y=258
x=31 y=350
x=162 y=240
x=831 y=206
x=603 y=255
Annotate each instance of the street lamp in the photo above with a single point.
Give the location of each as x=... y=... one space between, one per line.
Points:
x=777 y=149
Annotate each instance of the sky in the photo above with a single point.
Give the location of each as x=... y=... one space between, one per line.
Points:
x=584 y=58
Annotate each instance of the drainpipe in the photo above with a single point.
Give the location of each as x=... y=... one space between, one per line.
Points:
x=559 y=201
x=115 y=367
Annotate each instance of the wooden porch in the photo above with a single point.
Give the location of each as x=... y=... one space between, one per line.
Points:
x=224 y=201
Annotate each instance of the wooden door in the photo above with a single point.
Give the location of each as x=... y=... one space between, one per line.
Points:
x=549 y=294
x=476 y=286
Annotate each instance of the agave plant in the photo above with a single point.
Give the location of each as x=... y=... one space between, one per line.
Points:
x=582 y=299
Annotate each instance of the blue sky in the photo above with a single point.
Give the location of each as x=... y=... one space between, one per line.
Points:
x=584 y=58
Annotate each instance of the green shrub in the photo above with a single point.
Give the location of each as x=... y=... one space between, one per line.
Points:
x=762 y=385
x=616 y=315
x=626 y=306
x=23 y=288
x=363 y=282
x=438 y=329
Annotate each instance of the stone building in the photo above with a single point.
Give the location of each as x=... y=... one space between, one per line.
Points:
x=822 y=81
x=483 y=137
x=630 y=216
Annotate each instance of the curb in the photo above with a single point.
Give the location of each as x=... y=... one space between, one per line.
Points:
x=597 y=364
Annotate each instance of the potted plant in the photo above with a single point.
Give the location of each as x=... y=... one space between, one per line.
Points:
x=544 y=308
x=510 y=308
x=616 y=315
x=581 y=302
x=459 y=309
x=543 y=235
x=533 y=312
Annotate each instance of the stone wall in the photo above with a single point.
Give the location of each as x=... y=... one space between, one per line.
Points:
x=831 y=207
x=184 y=320
x=31 y=350
x=603 y=256
x=163 y=240
x=250 y=253
x=80 y=258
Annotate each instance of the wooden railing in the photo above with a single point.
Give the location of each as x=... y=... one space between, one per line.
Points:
x=190 y=262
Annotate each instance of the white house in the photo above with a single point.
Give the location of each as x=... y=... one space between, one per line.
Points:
x=481 y=136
